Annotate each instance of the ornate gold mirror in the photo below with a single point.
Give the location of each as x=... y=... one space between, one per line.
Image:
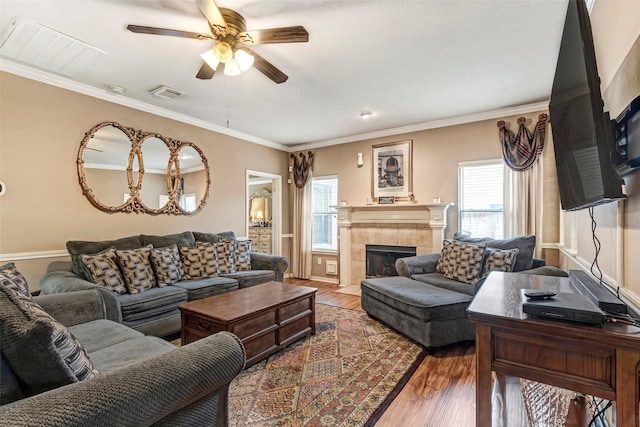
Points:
x=124 y=170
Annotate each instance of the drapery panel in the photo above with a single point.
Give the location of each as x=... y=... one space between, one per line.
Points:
x=302 y=218
x=523 y=154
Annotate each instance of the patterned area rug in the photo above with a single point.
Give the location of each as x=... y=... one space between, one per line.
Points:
x=346 y=374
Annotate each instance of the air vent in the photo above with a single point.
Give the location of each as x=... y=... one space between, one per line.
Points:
x=34 y=44
x=167 y=93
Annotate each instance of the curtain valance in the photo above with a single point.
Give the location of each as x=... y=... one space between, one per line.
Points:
x=521 y=151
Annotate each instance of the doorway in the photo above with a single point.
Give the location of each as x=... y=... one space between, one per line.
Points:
x=264 y=211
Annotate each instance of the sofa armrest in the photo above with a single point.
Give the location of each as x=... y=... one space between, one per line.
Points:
x=60 y=281
x=547 y=270
x=277 y=263
x=74 y=308
x=140 y=394
x=420 y=264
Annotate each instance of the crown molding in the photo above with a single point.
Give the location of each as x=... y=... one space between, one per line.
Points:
x=453 y=121
x=65 y=83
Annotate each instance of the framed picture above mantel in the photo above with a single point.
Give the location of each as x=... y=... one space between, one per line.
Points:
x=391 y=173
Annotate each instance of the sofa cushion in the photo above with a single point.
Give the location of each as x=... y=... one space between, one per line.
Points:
x=12 y=278
x=41 y=352
x=417 y=299
x=167 y=265
x=102 y=269
x=525 y=245
x=10 y=390
x=225 y=256
x=499 y=260
x=151 y=302
x=199 y=261
x=102 y=333
x=181 y=239
x=251 y=278
x=464 y=262
x=438 y=279
x=79 y=247
x=242 y=255
x=202 y=288
x=130 y=352
x=213 y=237
x=136 y=269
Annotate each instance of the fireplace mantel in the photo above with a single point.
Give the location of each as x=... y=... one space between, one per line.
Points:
x=373 y=222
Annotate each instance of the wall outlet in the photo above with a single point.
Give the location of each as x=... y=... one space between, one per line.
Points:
x=319 y=261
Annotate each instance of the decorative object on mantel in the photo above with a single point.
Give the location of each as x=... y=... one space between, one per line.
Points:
x=386 y=200
x=521 y=151
x=302 y=168
x=391 y=169
x=111 y=159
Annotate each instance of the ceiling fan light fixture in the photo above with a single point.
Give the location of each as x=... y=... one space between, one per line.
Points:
x=210 y=59
x=223 y=52
x=244 y=59
x=231 y=68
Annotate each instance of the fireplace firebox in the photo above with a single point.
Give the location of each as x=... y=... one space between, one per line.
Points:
x=381 y=259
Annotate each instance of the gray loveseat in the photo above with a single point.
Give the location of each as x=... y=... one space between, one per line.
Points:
x=155 y=311
x=430 y=308
x=142 y=380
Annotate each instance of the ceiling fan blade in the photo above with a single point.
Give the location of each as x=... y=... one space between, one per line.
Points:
x=295 y=34
x=206 y=72
x=166 y=32
x=210 y=11
x=267 y=68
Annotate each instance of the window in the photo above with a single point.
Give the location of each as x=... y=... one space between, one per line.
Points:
x=481 y=198
x=324 y=194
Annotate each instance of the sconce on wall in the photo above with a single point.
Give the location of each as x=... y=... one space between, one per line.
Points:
x=3 y=188
x=360 y=160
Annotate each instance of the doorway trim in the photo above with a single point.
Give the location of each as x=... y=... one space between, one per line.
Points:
x=276 y=201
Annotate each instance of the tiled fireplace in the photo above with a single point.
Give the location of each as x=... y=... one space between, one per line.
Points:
x=413 y=225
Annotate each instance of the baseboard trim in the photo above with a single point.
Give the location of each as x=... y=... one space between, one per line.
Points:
x=24 y=256
x=326 y=279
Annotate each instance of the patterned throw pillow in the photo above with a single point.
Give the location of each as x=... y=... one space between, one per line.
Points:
x=499 y=260
x=167 y=265
x=136 y=269
x=465 y=262
x=225 y=256
x=102 y=269
x=11 y=278
x=42 y=351
x=242 y=254
x=199 y=261
x=443 y=261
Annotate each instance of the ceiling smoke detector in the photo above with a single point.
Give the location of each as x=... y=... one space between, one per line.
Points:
x=166 y=92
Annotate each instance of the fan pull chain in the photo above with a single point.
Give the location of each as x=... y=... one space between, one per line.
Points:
x=227 y=102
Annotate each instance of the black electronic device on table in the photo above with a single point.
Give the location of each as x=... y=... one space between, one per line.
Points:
x=571 y=307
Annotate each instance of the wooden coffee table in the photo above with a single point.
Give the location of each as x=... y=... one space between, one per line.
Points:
x=266 y=317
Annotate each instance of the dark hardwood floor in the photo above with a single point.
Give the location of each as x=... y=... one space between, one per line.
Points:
x=441 y=393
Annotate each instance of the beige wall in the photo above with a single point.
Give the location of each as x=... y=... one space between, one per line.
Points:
x=41 y=130
x=616 y=28
x=436 y=154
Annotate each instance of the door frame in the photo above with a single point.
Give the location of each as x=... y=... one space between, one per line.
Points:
x=276 y=204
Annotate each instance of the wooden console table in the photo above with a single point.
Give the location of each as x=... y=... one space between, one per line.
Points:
x=599 y=361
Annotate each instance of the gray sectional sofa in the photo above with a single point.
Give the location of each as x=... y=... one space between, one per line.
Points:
x=155 y=311
x=430 y=308
x=142 y=380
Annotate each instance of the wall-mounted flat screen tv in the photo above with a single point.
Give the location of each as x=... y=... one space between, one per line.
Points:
x=583 y=134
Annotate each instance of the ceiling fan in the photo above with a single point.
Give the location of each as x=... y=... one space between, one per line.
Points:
x=228 y=30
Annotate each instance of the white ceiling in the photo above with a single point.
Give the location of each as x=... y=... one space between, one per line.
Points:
x=410 y=62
